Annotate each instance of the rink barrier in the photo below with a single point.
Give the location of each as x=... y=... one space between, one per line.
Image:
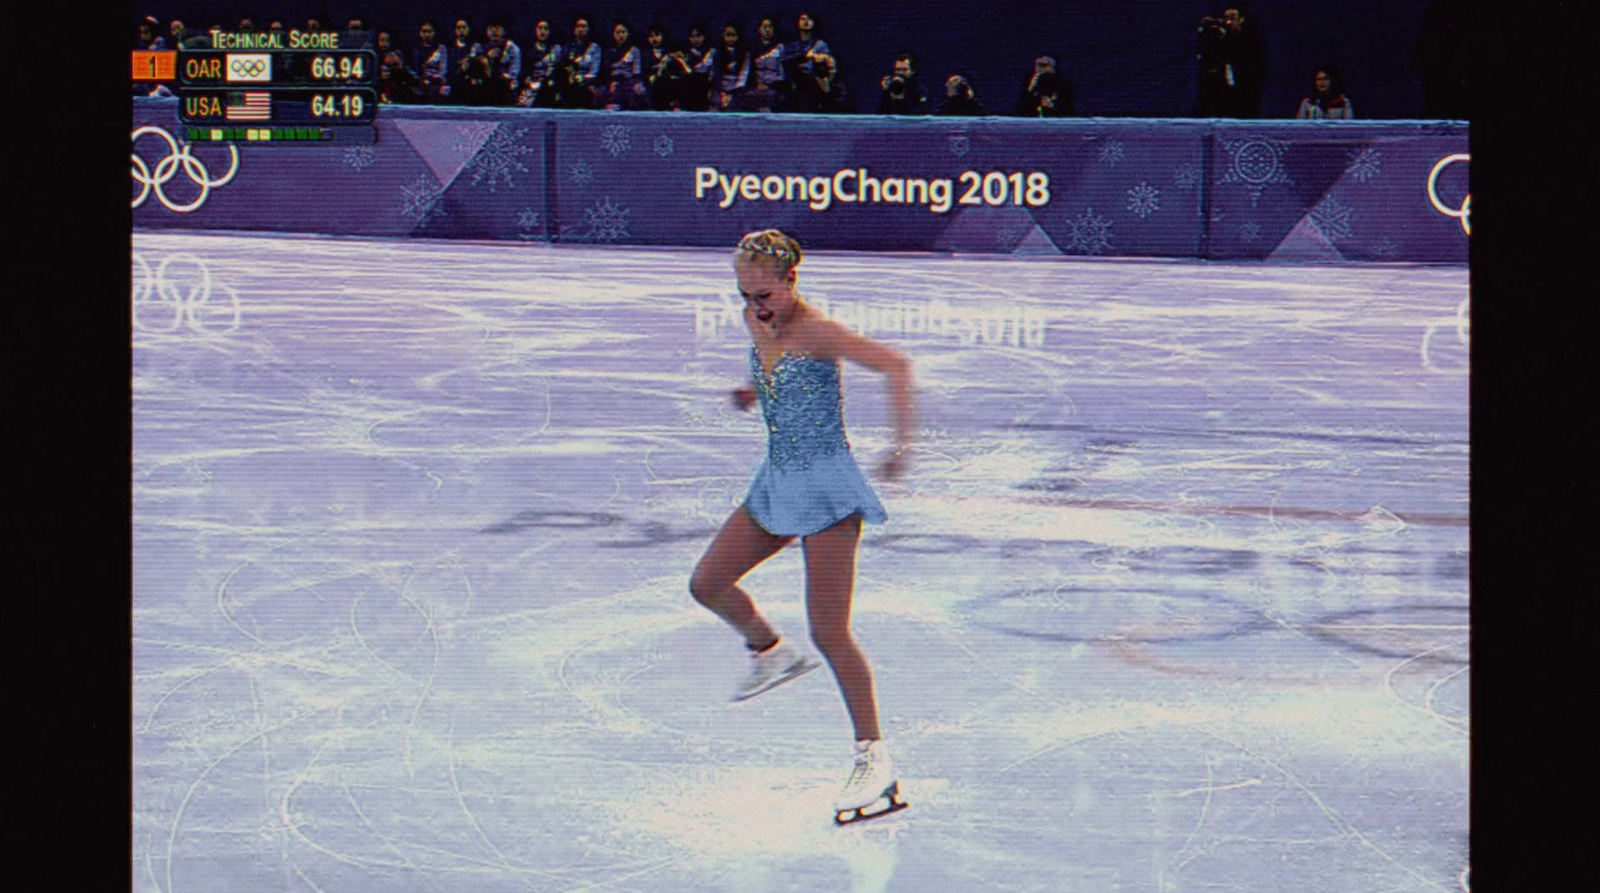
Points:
x=1300 y=191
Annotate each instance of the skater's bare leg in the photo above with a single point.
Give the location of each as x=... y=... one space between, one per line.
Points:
x=830 y=587
x=740 y=545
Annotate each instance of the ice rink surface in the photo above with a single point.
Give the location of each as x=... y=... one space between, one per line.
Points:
x=1173 y=598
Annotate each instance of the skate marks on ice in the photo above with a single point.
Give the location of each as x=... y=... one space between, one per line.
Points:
x=1174 y=596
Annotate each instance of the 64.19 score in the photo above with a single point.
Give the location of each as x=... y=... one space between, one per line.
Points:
x=337 y=105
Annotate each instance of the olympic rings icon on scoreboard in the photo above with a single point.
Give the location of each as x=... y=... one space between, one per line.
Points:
x=248 y=67
x=189 y=295
x=167 y=168
x=1463 y=213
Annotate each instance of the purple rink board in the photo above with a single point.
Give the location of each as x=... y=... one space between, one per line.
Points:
x=1299 y=191
x=1173 y=596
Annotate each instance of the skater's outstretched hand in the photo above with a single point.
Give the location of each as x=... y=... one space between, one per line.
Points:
x=744 y=398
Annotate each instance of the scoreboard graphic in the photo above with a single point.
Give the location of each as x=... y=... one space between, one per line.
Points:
x=270 y=88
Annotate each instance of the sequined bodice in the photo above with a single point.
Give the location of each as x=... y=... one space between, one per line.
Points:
x=803 y=407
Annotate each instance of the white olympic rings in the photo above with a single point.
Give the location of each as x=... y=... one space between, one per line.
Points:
x=167 y=168
x=189 y=299
x=1463 y=213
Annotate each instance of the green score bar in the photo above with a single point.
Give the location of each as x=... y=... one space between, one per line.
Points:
x=258 y=134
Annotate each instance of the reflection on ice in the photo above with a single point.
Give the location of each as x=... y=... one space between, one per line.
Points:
x=1174 y=596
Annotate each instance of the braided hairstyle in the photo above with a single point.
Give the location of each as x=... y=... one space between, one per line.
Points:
x=770 y=244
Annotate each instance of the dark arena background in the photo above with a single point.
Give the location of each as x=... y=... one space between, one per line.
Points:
x=432 y=422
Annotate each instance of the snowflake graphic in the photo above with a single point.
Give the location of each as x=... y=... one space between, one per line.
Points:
x=1144 y=200
x=607 y=221
x=1090 y=233
x=528 y=224
x=1331 y=219
x=473 y=133
x=497 y=157
x=1187 y=176
x=1386 y=249
x=663 y=145
x=1257 y=163
x=616 y=139
x=582 y=173
x=359 y=158
x=1112 y=152
x=960 y=145
x=1364 y=164
x=422 y=199
x=1249 y=233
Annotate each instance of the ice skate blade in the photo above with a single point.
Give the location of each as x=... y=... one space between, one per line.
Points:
x=794 y=673
x=857 y=816
x=860 y=814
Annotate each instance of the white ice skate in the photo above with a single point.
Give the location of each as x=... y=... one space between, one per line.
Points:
x=872 y=790
x=773 y=667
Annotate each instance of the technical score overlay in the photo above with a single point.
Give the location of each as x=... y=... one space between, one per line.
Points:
x=270 y=88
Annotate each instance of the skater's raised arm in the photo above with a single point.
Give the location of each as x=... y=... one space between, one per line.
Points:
x=827 y=338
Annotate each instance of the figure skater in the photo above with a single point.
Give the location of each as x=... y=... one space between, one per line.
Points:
x=810 y=487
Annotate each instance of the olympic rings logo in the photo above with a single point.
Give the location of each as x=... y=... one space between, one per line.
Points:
x=1463 y=213
x=164 y=302
x=248 y=67
x=167 y=168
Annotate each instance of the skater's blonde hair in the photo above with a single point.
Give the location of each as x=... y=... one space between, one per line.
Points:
x=772 y=245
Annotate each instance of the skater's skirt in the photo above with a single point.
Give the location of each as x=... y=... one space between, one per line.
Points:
x=796 y=501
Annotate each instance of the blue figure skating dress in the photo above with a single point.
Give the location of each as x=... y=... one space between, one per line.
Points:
x=809 y=480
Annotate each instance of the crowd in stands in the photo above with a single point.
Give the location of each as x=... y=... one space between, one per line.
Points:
x=452 y=62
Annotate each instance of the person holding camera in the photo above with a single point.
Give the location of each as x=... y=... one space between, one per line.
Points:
x=1048 y=94
x=819 y=92
x=959 y=98
x=902 y=95
x=1232 y=54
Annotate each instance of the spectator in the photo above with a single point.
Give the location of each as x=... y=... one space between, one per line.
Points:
x=821 y=91
x=479 y=85
x=959 y=98
x=356 y=36
x=902 y=94
x=1048 y=94
x=505 y=57
x=730 y=69
x=766 y=59
x=577 y=67
x=1232 y=54
x=247 y=25
x=622 y=66
x=801 y=55
x=460 y=50
x=396 y=82
x=148 y=38
x=581 y=58
x=700 y=58
x=317 y=22
x=1327 y=99
x=656 y=56
x=542 y=57
x=431 y=61
x=276 y=28
x=673 y=82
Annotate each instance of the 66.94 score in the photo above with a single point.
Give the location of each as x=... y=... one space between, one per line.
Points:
x=341 y=105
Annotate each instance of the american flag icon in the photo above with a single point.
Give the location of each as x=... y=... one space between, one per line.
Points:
x=252 y=106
